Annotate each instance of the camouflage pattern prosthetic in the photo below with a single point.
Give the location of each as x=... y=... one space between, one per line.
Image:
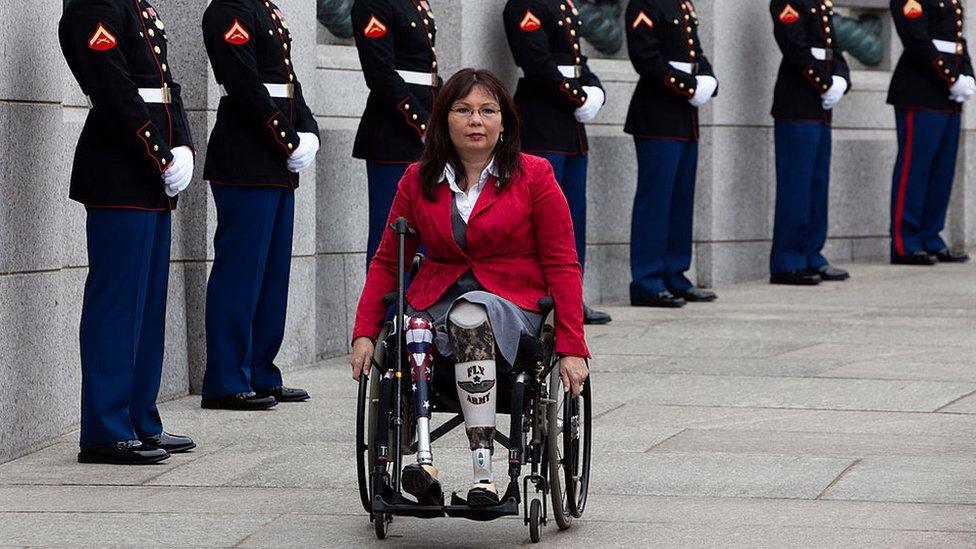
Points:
x=474 y=369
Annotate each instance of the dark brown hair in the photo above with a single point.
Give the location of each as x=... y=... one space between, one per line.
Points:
x=439 y=149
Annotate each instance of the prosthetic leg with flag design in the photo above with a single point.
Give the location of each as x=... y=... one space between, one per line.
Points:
x=420 y=479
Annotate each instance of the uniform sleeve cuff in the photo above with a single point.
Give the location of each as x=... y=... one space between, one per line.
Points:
x=286 y=138
x=413 y=115
x=156 y=148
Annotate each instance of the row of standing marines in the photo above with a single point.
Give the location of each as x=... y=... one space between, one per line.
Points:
x=135 y=155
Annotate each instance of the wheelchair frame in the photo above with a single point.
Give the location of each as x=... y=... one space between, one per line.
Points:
x=550 y=431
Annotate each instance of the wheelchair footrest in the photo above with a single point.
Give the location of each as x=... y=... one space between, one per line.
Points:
x=400 y=506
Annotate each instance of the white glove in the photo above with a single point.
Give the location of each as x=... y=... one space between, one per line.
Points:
x=177 y=178
x=963 y=89
x=704 y=90
x=832 y=96
x=594 y=102
x=304 y=154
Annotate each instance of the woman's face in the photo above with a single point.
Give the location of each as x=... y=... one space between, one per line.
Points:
x=475 y=122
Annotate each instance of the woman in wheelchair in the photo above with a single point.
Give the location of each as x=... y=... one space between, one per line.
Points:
x=498 y=236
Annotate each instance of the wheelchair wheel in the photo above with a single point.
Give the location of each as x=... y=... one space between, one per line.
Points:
x=535 y=521
x=363 y=445
x=577 y=447
x=379 y=525
x=366 y=424
x=554 y=451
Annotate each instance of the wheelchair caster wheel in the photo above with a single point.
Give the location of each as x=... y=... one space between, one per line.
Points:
x=535 y=519
x=380 y=523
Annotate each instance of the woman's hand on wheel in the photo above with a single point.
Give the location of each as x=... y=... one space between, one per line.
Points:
x=361 y=357
x=574 y=372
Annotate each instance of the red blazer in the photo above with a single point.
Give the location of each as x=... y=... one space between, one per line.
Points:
x=520 y=247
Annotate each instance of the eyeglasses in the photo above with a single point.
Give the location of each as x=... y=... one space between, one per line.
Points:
x=466 y=112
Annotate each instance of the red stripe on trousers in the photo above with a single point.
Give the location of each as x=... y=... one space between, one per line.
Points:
x=903 y=181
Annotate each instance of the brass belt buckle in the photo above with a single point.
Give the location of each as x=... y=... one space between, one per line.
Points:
x=290 y=90
x=166 y=96
x=433 y=79
x=960 y=48
x=578 y=71
x=828 y=54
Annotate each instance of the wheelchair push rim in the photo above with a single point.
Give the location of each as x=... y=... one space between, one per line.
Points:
x=569 y=442
x=362 y=443
x=577 y=445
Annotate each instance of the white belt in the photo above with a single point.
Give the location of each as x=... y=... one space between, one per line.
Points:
x=156 y=95
x=945 y=46
x=682 y=66
x=568 y=71
x=282 y=91
x=418 y=78
x=820 y=54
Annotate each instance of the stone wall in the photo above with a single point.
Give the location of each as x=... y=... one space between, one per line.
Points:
x=42 y=251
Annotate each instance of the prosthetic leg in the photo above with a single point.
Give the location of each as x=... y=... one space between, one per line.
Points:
x=420 y=479
x=474 y=354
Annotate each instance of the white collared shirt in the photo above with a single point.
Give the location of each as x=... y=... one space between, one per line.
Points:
x=465 y=201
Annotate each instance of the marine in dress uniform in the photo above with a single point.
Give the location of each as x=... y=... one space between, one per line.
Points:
x=396 y=44
x=932 y=80
x=675 y=80
x=133 y=157
x=264 y=135
x=556 y=95
x=813 y=77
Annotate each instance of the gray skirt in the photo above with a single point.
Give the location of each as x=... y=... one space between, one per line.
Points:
x=508 y=322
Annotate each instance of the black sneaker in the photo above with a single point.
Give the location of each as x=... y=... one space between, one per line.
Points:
x=483 y=494
x=420 y=481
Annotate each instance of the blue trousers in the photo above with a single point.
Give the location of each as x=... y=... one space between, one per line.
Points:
x=123 y=324
x=382 y=180
x=247 y=294
x=570 y=171
x=928 y=143
x=802 y=183
x=661 y=226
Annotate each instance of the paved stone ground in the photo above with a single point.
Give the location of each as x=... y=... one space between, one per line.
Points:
x=837 y=416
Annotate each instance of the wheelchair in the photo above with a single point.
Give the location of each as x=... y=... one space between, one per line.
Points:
x=550 y=430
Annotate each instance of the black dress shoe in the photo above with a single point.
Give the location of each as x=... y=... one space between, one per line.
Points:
x=697 y=295
x=421 y=482
x=173 y=444
x=915 y=258
x=595 y=317
x=829 y=272
x=951 y=256
x=796 y=278
x=660 y=299
x=286 y=394
x=240 y=401
x=126 y=452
